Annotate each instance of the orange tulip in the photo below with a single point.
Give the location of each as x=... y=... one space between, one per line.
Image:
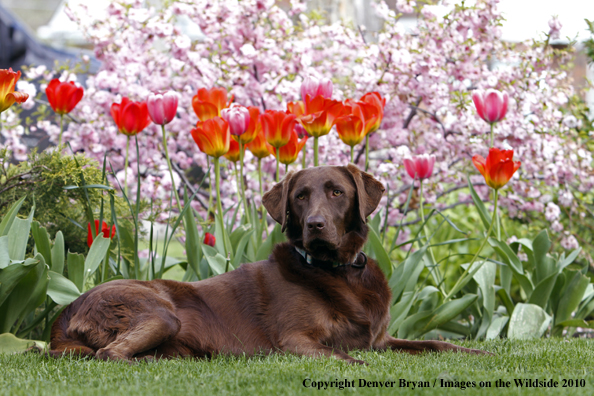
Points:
x=233 y=153
x=320 y=115
x=208 y=103
x=277 y=127
x=212 y=136
x=376 y=100
x=289 y=152
x=367 y=113
x=498 y=168
x=297 y=108
x=350 y=130
x=8 y=97
x=258 y=146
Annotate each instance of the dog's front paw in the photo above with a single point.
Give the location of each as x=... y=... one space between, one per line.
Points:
x=109 y=354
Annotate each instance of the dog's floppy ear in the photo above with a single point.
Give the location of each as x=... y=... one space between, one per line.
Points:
x=276 y=201
x=369 y=191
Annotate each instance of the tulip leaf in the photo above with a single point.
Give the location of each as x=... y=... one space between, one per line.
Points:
x=542 y=291
x=58 y=254
x=42 y=241
x=96 y=255
x=399 y=312
x=496 y=326
x=216 y=261
x=4 y=256
x=19 y=236
x=572 y=296
x=480 y=206
x=61 y=290
x=404 y=277
x=9 y=217
x=381 y=255
x=10 y=344
x=527 y=321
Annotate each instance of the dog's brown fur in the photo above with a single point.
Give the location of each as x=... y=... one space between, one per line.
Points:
x=280 y=304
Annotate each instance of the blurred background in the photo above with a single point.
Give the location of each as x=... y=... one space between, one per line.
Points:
x=39 y=31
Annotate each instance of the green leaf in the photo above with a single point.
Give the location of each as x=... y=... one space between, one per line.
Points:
x=381 y=255
x=216 y=260
x=480 y=206
x=542 y=291
x=19 y=236
x=61 y=290
x=527 y=321
x=42 y=242
x=276 y=236
x=577 y=323
x=496 y=327
x=9 y=217
x=569 y=259
x=96 y=254
x=10 y=344
x=405 y=276
x=407 y=327
x=513 y=262
x=541 y=246
x=485 y=278
x=241 y=246
x=223 y=243
x=193 y=242
x=4 y=256
x=76 y=269
x=399 y=311
x=87 y=186
x=572 y=296
x=443 y=314
x=27 y=295
x=506 y=299
x=58 y=253
x=12 y=275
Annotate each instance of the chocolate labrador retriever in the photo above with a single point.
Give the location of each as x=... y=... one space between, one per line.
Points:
x=317 y=295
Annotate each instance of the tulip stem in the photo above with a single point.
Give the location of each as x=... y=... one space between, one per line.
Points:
x=126 y=166
x=492 y=134
x=237 y=181
x=303 y=152
x=277 y=164
x=170 y=169
x=286 y=168
x=315 y=151
x=459 y=285
x=219 y=203
x=434 y=270
x=61 y=129
x=245 y=203
x=352 y=154
x=366 y=152
x=209 y=188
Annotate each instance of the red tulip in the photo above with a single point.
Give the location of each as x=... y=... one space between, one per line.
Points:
x=289 y=152
x=208 y=103
x=209 y=239
x=8 y=96
x=374 y=99
x=491 y=105
x=498 y=168
x=162 y=108
x=130 y=117
x=277 y=127
x=233 y=153
x=258 y=146
x=238 y=118
x=212 y=136
x=313 y=87
x=63 y=96
x=420 y=166
x=104 y=230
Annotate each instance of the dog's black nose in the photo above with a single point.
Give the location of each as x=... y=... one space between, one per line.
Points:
x=317 y=222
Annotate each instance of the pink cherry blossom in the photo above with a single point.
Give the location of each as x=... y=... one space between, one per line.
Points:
x=491 y=105
x=420 y=166
x=238 y=118
x=162 y=108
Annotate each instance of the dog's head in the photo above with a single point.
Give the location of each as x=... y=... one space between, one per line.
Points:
x=324 y=209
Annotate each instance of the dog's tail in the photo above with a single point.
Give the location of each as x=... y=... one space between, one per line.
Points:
x=64 y=343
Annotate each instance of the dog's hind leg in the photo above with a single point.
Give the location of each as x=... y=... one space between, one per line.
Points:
x=146 y=331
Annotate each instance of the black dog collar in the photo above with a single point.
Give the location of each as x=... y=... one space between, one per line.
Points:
x=311 y=261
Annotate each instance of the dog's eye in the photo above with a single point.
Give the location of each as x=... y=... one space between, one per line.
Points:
x=300 y=196
x=337 y=193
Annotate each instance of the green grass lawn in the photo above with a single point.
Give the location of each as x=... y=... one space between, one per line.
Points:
x=278 y=374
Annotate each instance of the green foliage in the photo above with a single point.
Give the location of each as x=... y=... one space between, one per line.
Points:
x=42 y=179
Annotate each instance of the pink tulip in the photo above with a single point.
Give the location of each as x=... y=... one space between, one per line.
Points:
x=301 y=132
x=491 y=105
x=238 y=118
x=162 y=108
x=419 y=165
x=313 y=87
